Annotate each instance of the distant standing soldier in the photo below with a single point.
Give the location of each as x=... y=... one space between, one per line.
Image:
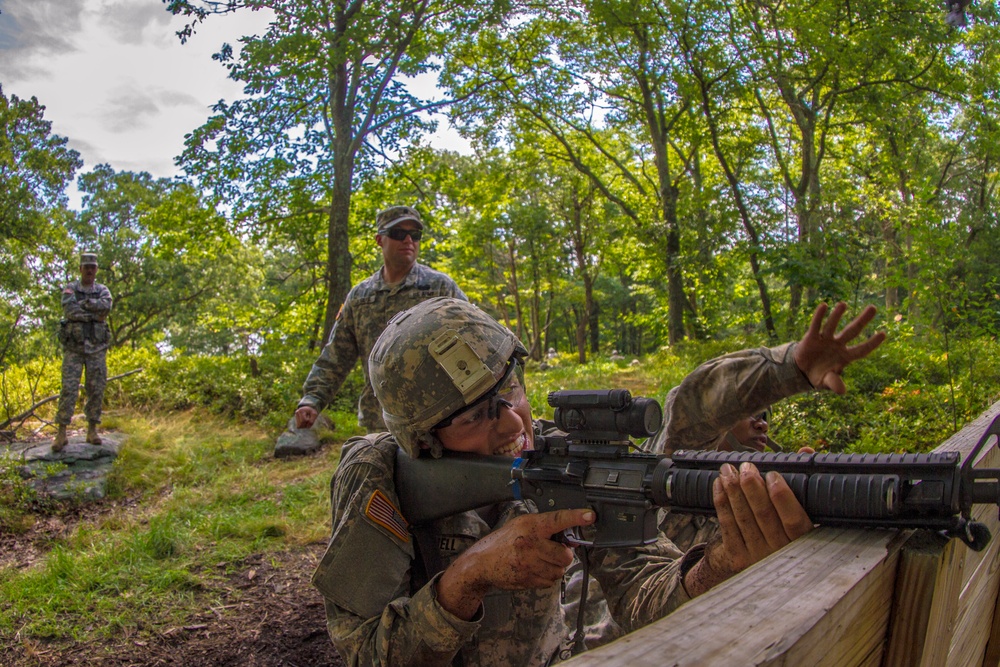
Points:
x=398 y=285
x=85 y=338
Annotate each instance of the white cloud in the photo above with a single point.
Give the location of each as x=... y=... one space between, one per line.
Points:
x=39 y=25
x=117 y=82
x=114 y=77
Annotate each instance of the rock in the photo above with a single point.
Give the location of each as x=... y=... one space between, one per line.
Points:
x=301 y=441
x=78 y=472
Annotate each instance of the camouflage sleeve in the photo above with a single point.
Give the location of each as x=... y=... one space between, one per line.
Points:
x=72 y=309
x=642 y=584
x=722 y=391
x=364 y=578
x=334 y=363
x=410 y=631
x=102 y=305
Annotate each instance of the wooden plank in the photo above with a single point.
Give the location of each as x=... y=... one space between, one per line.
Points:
x=970 y=633
x=992 y=656
x=977 y=603
x=822 y=600
x=974 y=622
x=946 y=593
x=926 y=600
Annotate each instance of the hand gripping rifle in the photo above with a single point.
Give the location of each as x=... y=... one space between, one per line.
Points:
x=590 y=465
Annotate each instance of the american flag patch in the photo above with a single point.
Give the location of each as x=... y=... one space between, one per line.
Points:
x=381 y=510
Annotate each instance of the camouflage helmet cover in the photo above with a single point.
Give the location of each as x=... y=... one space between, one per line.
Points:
x=432 y=360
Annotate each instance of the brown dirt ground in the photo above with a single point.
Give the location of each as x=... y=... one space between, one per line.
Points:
x=271 y=616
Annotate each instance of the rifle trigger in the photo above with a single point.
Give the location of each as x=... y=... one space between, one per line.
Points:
x=571 y=537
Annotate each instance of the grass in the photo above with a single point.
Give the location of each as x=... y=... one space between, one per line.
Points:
x=210 y=494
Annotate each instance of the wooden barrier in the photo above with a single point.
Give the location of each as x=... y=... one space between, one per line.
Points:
x=842 y=597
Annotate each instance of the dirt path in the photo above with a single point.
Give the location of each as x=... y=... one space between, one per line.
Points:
x=271 y=617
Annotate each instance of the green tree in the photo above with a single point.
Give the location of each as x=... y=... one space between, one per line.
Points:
x=326 y=103
x=164 y=254
x=35 y=168
x=812 y=69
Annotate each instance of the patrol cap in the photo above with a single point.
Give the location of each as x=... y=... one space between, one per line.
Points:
x=392 y=216
x=433 y=360
x=88 y=258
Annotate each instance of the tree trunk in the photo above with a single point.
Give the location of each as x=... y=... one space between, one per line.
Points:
x=581 y=335
x=339 y=260
x=515 y=287
x=745 y=216
x=594 y=323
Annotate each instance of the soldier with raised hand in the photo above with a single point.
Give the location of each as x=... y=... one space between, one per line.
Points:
x=402 y=282
x=725 y=403
x=483 y=587
x=85 y=338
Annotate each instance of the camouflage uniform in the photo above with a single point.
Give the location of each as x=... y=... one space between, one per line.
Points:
x=699 y=412
x=380 y=611
x=367 y=309
x=85 y=338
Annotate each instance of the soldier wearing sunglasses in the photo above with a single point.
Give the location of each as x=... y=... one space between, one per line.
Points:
x=402 y=282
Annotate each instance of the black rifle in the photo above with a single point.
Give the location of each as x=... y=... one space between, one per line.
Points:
x=591 y=466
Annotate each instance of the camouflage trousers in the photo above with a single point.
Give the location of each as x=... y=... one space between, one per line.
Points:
x=73 y=365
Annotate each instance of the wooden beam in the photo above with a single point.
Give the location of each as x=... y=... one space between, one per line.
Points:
x=822 y=600
x=925 y=601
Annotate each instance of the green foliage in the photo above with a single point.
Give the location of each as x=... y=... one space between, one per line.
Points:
x=243 y=386
x=262 y=389
x=906 y=397
x=35 y=168
x=21 y=385
x=17 y=497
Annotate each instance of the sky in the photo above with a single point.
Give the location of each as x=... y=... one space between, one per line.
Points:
x=115 y=79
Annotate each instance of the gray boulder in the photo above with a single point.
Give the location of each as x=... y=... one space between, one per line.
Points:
x=78 y=472
x=301 y=441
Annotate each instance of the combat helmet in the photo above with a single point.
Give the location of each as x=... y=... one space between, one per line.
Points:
x=433 y=360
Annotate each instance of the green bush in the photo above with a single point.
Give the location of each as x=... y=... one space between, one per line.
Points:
x=264 y=389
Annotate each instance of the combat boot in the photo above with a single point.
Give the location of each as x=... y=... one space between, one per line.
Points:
x=92 y=436
x=60 y=440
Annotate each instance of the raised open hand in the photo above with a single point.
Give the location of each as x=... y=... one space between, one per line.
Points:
x=822 y=354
